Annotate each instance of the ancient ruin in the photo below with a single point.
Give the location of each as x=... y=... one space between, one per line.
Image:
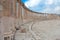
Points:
x=18 y=23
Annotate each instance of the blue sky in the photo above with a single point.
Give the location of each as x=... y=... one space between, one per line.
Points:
x=24 y=1
x=44 y=6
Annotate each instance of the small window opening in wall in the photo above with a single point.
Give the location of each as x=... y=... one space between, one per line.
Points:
x=6 y=38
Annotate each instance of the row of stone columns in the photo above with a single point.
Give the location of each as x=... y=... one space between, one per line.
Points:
x=10 y=8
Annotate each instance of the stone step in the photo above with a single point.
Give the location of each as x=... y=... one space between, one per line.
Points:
x=23 y=36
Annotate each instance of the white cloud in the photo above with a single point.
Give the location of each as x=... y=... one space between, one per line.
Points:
x=57 y=9
x=51 y=10
x=47 y=10
x=49 y=2
x=32 y=3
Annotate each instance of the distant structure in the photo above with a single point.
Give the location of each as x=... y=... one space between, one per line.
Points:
x=13 y=9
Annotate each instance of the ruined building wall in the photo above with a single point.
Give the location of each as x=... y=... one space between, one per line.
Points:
x=9 y=7
x=32 y=15
x=7 y=15
x=14 y=14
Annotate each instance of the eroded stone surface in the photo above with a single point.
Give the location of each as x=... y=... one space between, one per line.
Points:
x=47 y=30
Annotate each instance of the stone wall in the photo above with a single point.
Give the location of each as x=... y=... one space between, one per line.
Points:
x=28 y=15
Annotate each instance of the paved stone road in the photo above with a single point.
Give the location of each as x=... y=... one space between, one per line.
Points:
x=45 y=30
x=41 y=30
x=24 y=36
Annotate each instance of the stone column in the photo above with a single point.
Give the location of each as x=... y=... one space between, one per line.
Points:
x=14 y=7
x=19 y=13
x=1 y=26
x=26 y=13
x=1 y=33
